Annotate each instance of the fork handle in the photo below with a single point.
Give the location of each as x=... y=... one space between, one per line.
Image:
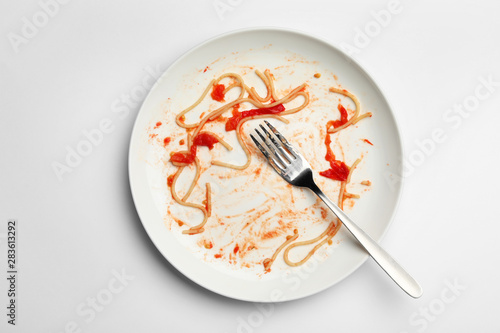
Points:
x=381 y=257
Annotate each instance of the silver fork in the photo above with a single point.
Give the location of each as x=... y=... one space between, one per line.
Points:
x=295 y=169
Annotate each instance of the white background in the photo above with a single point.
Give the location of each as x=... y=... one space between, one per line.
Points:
x=76 y=233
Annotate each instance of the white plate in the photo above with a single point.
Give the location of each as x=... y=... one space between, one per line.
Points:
x=293 y=57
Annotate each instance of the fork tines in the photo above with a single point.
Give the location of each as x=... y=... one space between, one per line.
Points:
x=279 y=151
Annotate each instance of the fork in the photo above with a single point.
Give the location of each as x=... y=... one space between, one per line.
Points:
x=295 y=169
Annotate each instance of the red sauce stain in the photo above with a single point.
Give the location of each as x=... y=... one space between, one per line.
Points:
x=186 y=157
x=170 y=180
x=158 y=124
x=330 y=156
x=368 y=141
x=206 y=68
x=236 y=249
x=218 y=93
x=232 y=122
x=152 y=136
x=217 y=255
x=343 y=118
x=266 y=263
x=166 y=141
x=324 y=213
x=270 y=234
x=181 y=141
x=179 y=222
x=338 y=169
x=205 y=139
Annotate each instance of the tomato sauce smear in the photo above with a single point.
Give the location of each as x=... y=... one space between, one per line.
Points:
x=170 y=180
x=218 y=93
x=232 y=122
x=187 y=157
x=184 y=156
x=343 y=118
x=205 y=139
x=338 y=169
